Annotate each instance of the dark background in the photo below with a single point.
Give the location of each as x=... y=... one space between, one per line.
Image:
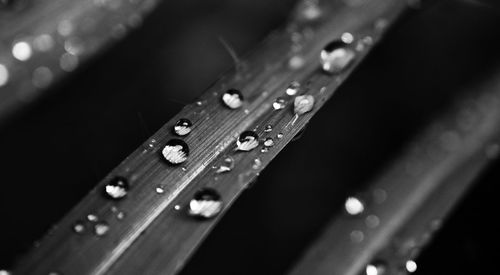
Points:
x=55 y=152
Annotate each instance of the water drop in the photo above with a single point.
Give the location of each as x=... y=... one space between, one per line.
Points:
x=264 y=150
x=372 y=221
x=279 y=136
x=4 y=75
x=177 y=207
x=79 y=227
x=206 y=204
x=279 y=103
x=42 y=77
x=411 y=266
x=376 y=268
x=247 y=141
x=183 y=127
x=379 y=195
x=22 y=50
x=232 y=98
x=347 y=38
x=120 y=215
x=43 y=43
x=74 y=46
x=311 y=10
x=303 y=104
x=117 y=188
x=68 y=62
x=354 y=206
x=92 y=218
x=296 y=62
x=268 y=128
x=160 y=190
x=101 y=228
x=199 y=103
x=357 y=236
x=269 y=142
x=336 y=56
x=293 y=88
x=257 y=163
x=65 y=28
x=226 y=166
x=176 y=151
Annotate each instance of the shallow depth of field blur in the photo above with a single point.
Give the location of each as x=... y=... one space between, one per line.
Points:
x=54 y=153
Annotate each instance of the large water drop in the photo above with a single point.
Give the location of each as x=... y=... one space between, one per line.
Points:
x=176 y=151
x=206 y=204
x=183 y=127
x=232 y=98
x=247 y=141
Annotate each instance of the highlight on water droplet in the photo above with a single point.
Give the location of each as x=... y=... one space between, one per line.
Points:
x=4 y=75
x=376 y=268
x=303 y=104
x=183 y=127
x=101 y=228
x=336 y=56
x=279 y=103
x=117 y=188
x=354 y=206
x=175 y=151
x=78 y=227
x=226 y=166
x=293 y=88
x=269 y=142
x=247 y=141
x=232 y=98
x=411 y=266
x=205 y=204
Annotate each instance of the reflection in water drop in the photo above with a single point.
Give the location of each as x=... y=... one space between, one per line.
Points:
x=269 y=142
x=232 y=98
x=22 y=50
x=336 y=57
x=376 y=268
x=257 y=163
x=411 y=266
x=101 y=228
x=159 y=190
x=183 y=127
x=279 y=103
x=206 y=204
x=175 y=151
x=79 y=227
x=4 y=75
x=247 y=141
x=354 y=206
x=226 y=166
x=117 y=188
x=293 y=88
x=92 y=218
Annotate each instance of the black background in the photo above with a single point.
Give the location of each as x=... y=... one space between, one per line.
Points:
x=52 y=154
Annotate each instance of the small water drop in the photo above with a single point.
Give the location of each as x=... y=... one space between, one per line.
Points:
x=279 y=136
x=42 y=77
x=303 y=104
x=357 y=236
x=376 y=268
x=296 y=62
x=175 y=151
x=269 y=142
x=226 y=166
x=311 y=10
x=160 y=190
x=354 y=206
x=257 y=163
x=101 y=228
x=120 y=215
x=22 y=50
x=43 y=43
x=183 y=127
x=372 y=221
x=247 y=141
x=206 y=204
x=264 y=150
x=411 y=266
x=347 y=37
x=4 y=75
x=68 y=62
x=379 y=195
x=293 y=88
x=65 y=28
x=232 y=98
x=268 y=128
x=92 y=218
x=79 y=227
x=336 y=56
x=177 y=207
x=279 y=103
x=199 y=103
x=117 y=188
